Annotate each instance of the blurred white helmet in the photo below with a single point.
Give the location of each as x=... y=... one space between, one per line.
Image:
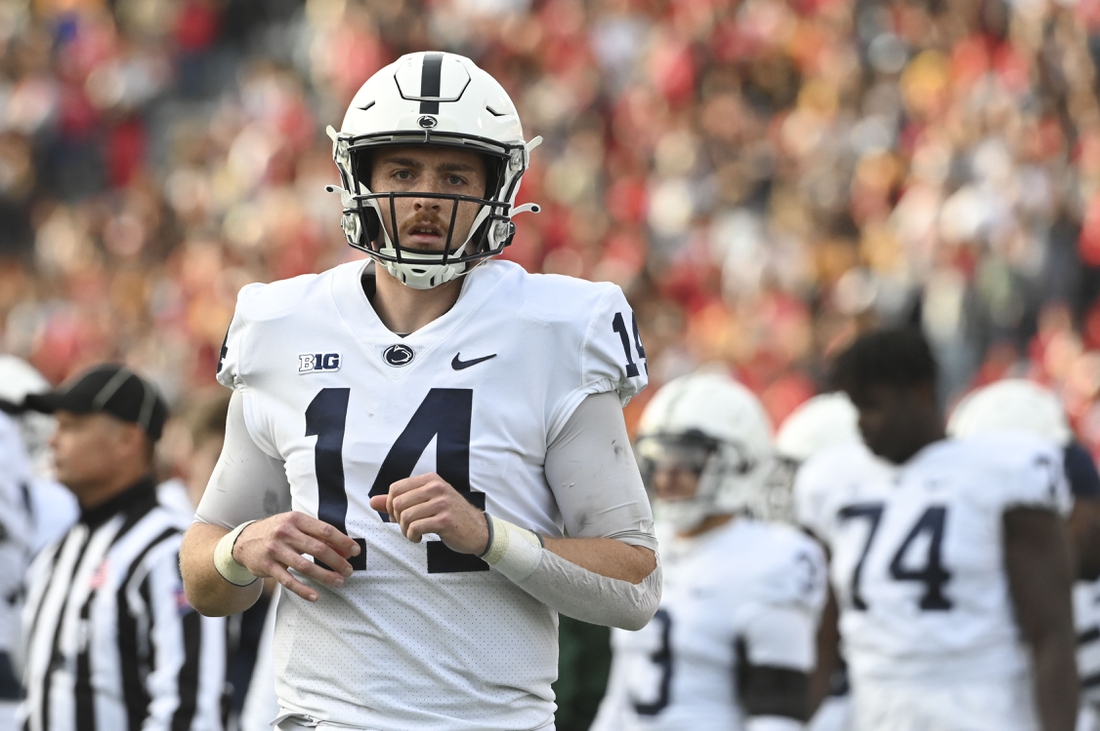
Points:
x=18 y=378
x=714 y=426
x=821 y=422
x=442 y=99
x=1013 y=404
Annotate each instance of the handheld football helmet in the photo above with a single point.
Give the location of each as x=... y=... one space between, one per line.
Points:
x=1013 y=404
x=712 y=425
x=18 y=379
x=819 y=423
x=431 y=98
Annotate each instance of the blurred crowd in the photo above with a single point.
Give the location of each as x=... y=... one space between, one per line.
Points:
x=763 y=177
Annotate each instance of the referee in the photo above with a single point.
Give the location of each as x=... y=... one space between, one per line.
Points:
x=110 y=642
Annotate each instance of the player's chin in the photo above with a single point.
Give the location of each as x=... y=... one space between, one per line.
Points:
x=424 y=244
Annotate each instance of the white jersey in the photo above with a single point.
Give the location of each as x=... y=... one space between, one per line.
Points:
x=917 y=554
x=422 y=637
x=722 y=592
x=15 y=530
x=54 y=510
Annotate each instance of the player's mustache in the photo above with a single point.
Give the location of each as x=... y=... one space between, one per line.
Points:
x=431 y=223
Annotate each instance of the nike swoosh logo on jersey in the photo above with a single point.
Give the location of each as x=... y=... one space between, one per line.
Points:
x=459 y=364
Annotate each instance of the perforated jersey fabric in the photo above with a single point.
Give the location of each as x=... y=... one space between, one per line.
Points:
x=420 y=637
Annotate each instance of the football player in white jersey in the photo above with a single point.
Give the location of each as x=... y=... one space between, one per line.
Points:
x=732 y=645
x=50 y=507
x=432 y=448
x=15 y=555
x=824 y=421
x=34 y=510
x=1018 y=404
x=948 y=558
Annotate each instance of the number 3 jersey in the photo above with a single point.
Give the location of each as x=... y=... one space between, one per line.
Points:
x=746 y=592
x=419 y=636
x=917 y=552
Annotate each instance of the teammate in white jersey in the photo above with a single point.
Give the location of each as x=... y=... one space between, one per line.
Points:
x=1016 y=404
x=732 y=645
x=1021 y=405
x=948 y=558
x=15 y=555
x=824 y=421
x=416 y=439
x=50 y=508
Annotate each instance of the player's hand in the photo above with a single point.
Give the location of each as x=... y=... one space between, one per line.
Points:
x=272 y=546
x=427 y=504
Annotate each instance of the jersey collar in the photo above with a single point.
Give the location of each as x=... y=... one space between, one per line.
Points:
x=141 y=496
x=351 y=301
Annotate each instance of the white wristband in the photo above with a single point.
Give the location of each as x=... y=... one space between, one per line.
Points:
x=773 y=723
x=513 y=551
x=224 y=562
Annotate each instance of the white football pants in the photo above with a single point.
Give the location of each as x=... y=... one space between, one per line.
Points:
x=893 y=705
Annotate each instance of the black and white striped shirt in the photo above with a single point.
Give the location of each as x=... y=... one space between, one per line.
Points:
x=110 y=641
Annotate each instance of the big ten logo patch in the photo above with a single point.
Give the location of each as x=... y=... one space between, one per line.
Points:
x=317 y=362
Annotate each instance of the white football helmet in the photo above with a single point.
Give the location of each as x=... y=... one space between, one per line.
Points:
x=18 y=378
x=431 y=98
x=711 y=424
x=819 y=423
x=1013 y=404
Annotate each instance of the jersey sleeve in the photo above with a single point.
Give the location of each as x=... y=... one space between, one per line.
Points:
x=813 y=483
x=798 y=576
x=612 y=357
x=1031 y=474
x=232 y=368
x=780 y=627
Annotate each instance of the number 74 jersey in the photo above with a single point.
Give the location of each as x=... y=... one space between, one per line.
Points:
x=420 y=636
x=917 y=551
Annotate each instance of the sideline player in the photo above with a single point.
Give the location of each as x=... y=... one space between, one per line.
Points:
x=414 y=439
x=1015 y=404
x=50 y=508
x=34 y=510
x=825 y=421
x=15 y=556
x=1018 y=404
x=732 y=645
x=951 y=569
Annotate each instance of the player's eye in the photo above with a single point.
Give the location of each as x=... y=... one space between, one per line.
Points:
x=456 y=180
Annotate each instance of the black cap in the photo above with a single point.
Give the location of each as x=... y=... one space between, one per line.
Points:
x=111 y=388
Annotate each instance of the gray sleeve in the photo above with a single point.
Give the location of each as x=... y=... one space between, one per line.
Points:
x=592 y=472
x=247 y=483
x=585 y=595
